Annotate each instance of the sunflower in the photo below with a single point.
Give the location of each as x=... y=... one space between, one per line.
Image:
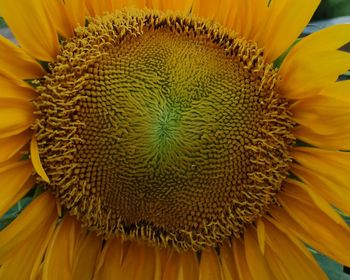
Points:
x=184 y=139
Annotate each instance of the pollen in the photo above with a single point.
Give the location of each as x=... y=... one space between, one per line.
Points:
x=162 y=127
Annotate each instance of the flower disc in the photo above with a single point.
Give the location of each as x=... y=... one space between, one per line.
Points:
x=162 y=127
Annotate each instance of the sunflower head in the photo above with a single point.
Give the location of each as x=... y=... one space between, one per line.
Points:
x=140 y=137
x=169 y=139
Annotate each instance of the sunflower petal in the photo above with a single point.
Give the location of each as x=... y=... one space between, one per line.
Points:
x=15 y=88
x=59 y=15
x=98 y=8
x=34 y=155
x=181 y=266
x=311 y=219
x=16 y=62
x=205 y=8
x=286 y=20
x=174 y=5
x=33 y=217
x=299 y=190
x=26 y=260
x=260 y=228
x=259 y=17
x=118 y=4
x=76 y=11
x=86 y=255
x=276 y=265
x=9 y=146
x=329 y=247
x=247 y=18
x=229 y=268
x=332 y=165
x=109 y=261
x=326 y=115
x=329 y=190
x=60 y=251
x=209 y=266
x=139 y=262
x=29 y=22
x=258 y=267
x=337 y=141
x=14 y=184
x=319 y=49
x=141 y=4
x=295 y=261
x=240 y=260
x=16 y=116
x=313 y=72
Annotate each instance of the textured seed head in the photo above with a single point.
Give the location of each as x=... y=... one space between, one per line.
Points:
x=162 y=127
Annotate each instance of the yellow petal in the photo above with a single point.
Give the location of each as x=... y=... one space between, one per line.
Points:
x=9 y=146
x=276 y=265
x=29 y=22
x=205 y=8
x=109 y=261
x=15 y=88
x=161 y=259
x=16 y=62
x=229 y=268
x=329 y=190
x=315 y=49
x=25 y=261
x=313 y=72
x=13 y=184
x=60 y=251
x=15 y=159
x=260 y=228
x=16 y=116
x=323 y=228
x=154 y=4
x=240 y=260
x=35 y=157
x=32 y=218
x=294 y=260
x=209 y=266
x=332 y=165
x=141 y=4
x=86 y=254
x=76 y=12
x=259 y=268
x=330 y=38
x=326 y=115
x=59 y=15
x=98 y=8
x=139 y=262
x=337 y=141
x=181 y=266
x=25 y=188
x=260 y=15
x=118 y=4
x=339 y=91
x=174 y=5
x=315 y=235
x=286 y=21
x=305 y=194
x=247 y=18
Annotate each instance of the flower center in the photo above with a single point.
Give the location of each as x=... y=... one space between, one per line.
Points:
x=164 y=128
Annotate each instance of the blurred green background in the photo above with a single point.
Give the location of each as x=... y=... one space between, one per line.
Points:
x=332 y=8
